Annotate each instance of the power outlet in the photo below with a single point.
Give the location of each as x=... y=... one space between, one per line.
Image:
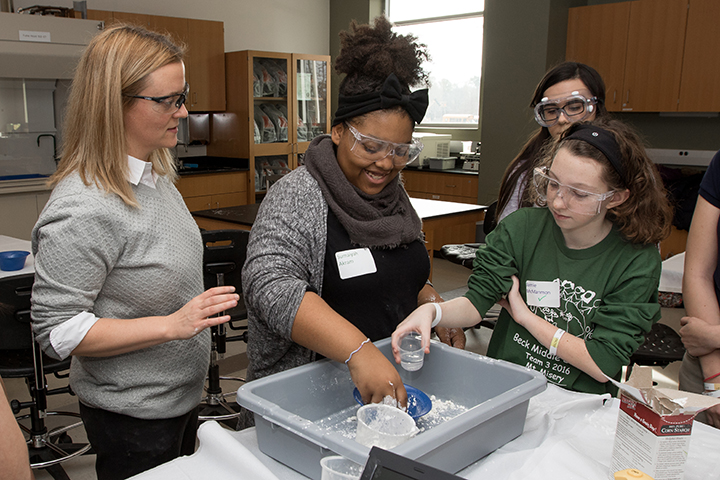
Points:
x=667 y=156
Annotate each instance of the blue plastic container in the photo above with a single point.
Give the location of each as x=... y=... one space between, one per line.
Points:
x=13 y=260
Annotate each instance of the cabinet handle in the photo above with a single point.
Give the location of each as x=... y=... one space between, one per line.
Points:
x=451 y=186
x=614 y=96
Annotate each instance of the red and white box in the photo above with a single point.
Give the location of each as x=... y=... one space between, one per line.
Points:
x=654 y=427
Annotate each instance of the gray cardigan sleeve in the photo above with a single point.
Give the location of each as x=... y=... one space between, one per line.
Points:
x=286 y=253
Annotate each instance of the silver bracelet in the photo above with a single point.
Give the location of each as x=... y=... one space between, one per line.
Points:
x=356 y=350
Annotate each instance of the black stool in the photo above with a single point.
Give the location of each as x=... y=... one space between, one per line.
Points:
x=21 y=357
x=223 y=259
x=661 y=347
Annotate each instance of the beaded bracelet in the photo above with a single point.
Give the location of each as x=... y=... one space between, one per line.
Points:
x=356 y=350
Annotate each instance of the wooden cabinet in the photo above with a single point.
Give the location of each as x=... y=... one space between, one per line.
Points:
x=700 y=84
x=204 y=60
x=636 y=46
x=246 y=129
x=448 y=187
x=213 y=190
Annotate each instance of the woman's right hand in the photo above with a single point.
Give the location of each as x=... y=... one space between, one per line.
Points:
x=375 y=377
x=197 y=315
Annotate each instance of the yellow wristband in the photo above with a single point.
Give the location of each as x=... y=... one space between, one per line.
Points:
x=556 y=341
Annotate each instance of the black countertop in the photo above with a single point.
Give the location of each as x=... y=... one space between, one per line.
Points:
x=209 y=164
x=243 y=214
x=450 y=170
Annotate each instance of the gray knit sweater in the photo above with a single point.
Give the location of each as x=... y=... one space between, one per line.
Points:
x=94 y=253
x=285 y=258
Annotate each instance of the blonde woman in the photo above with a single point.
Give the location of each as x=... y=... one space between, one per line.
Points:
x=118 y=258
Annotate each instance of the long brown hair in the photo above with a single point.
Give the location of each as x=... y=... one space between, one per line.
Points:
x=116 y=63
x=520 y=169
x=646 y=216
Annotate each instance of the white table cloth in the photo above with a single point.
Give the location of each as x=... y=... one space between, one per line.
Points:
x=566 y=435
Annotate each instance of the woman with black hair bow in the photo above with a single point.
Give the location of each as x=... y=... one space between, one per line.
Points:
x=336 y=257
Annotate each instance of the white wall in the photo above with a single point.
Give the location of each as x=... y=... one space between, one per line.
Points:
x=293 y=26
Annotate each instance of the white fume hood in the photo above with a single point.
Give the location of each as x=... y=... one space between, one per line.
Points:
x=36 y=46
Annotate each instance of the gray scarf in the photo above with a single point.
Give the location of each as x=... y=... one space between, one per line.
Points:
x=385 y=220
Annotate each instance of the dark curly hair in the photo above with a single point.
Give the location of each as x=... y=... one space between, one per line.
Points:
x=645 y=217
x=369 y=53
x=521 y=167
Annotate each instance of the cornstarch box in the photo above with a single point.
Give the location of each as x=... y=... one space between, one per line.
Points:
x=654 y=427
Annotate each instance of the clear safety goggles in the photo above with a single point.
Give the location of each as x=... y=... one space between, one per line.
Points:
x=373 y=149
x=575 y=199
x=576 y=107
x=168 y=103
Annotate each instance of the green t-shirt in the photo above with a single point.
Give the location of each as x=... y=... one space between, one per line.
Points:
x=605 y=294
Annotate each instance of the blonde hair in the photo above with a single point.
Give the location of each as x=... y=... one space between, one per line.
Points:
x=116 y=63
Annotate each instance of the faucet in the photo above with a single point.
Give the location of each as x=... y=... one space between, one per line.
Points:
x=54 y=144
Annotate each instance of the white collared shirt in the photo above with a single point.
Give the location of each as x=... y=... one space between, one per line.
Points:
x=68 y=335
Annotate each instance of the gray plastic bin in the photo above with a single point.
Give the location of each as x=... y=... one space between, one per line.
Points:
x=290 y=407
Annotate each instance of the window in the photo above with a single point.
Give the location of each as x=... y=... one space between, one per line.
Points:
x=453 y=33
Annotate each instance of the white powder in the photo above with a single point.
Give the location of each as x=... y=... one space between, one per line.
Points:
x=344 y=422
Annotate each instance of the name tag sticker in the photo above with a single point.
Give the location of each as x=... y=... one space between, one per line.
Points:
x=543 y=294
x=356 y=262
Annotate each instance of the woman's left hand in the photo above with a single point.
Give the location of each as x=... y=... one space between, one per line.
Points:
x=515 y=305
x=699 y=337
x=455 y=337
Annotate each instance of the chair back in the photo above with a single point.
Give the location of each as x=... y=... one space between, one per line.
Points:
x=223 y=258
x=15 y=322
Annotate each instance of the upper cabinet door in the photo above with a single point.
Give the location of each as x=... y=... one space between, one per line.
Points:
x=654 y=59
x=205 y=65
x=700 y=84
x=597 y=36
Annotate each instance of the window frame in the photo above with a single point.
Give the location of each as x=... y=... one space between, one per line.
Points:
x=437 y=19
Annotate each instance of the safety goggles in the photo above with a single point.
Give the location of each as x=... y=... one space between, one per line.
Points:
x=168 y=103
x=576 y=200
x=576 y=107
x=373 y=149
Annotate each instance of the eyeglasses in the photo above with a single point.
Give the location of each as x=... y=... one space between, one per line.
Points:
x=575 y=107
x=168 y=103
x=576 y=200
x=373 y=149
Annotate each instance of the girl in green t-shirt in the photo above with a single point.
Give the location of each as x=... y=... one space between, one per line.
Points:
x=578 y=279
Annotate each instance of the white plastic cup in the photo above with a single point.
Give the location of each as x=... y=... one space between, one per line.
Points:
x=412 y=354
x=339 y=468
x=383 y=426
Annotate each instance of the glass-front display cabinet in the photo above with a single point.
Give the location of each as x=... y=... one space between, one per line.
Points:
x=276 y=104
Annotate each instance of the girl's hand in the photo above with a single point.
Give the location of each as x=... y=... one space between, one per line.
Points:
x=698 y=336
x=197 y=315
x=418 y=321
x=375 y=377
x=515 y=305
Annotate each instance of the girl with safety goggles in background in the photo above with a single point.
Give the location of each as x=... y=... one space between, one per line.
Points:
x=577 y=280
x=569 y=93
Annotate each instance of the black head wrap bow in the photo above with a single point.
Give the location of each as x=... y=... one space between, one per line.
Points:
x=390 y=95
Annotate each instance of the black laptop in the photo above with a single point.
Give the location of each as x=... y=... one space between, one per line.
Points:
x=385 y=465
